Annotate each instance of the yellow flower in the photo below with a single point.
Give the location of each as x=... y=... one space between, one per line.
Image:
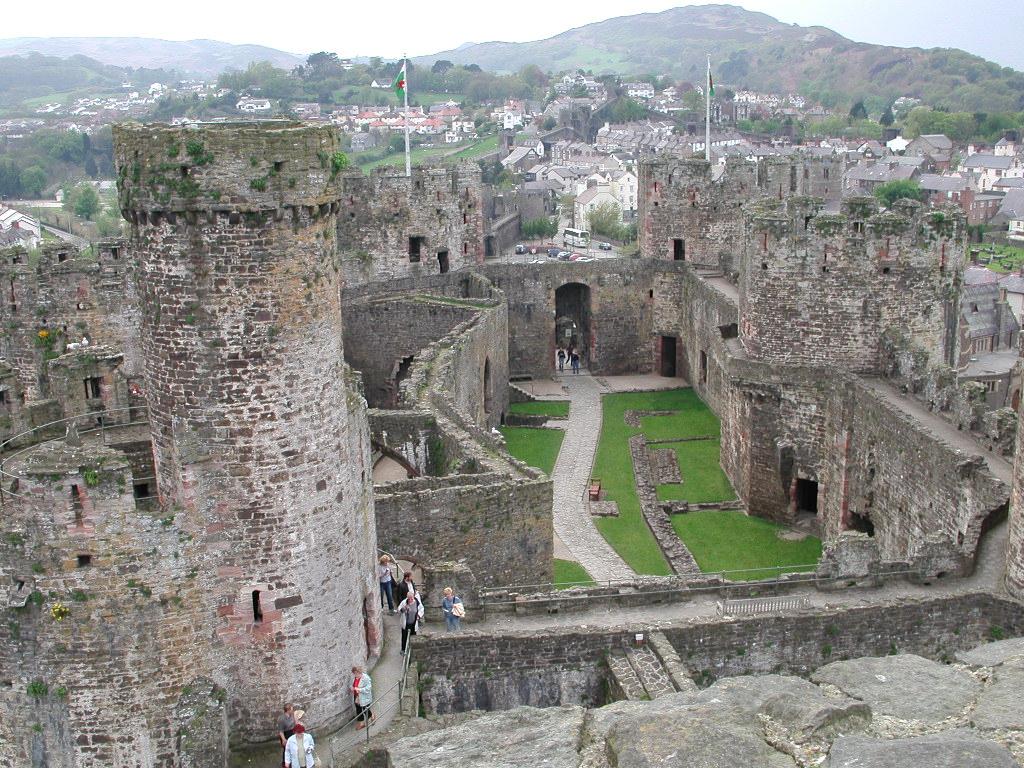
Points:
x=44 y=333
x=59 y=611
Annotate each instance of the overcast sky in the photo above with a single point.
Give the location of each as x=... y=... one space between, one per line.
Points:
x=990 y=28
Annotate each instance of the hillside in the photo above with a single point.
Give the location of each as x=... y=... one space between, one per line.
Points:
x=753 y=50
x=205 y=58
x=38 y=77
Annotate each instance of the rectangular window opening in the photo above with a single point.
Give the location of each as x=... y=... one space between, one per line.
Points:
x=416 y=244
x=678 y=249
x=141 y=490
x=84 y=561
x=442 y=261
x=703 y=367
x=257 y=610
x=76 y=505
x=93 y=388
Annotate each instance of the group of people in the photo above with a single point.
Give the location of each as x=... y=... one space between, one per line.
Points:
x=298 y=749
x=572 y=355
x=410 y=603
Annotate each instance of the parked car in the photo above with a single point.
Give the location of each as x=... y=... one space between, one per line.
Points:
x=520 y=249
x=553 y=252
x=534 y=250
x=575 y=256
x=563 y=255
x=605 y=246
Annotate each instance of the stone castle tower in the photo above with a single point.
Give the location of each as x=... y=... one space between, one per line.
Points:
x=260 y=441
x=822 y=289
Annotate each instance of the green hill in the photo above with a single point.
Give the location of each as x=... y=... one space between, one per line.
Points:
x=36 y=77
x=756 y=51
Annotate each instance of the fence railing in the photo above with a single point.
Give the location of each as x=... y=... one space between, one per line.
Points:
x=93 y=422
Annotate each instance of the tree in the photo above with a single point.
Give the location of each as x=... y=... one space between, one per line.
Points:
x=627 y=111
x=539 y=228
x=33 y=180
x=887 y=117
x=87 y=202
x=903 y=189
x=606 y=219
x=549 y=123
x=858 y=111
x=441 y=66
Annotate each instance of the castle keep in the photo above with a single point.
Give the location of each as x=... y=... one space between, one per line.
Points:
x=190 y=520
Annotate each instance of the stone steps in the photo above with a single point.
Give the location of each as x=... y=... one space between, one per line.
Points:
x=625 y=683
x=650 y=671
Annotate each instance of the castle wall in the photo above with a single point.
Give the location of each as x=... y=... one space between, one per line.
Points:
x=259 y=438
x=817 y=289
x=382 y=213
x=487 y=671
x=382 y=335
x=96 y=684
x=67 y=295
x=1015 y=547
x=620 y=307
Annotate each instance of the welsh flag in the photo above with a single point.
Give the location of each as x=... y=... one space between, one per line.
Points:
x=711 y=83
x=399 y=83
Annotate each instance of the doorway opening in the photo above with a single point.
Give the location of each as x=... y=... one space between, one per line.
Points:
x=572 y=320
x=668 y=356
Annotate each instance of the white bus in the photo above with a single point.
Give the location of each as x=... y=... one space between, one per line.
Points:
x=576 y=238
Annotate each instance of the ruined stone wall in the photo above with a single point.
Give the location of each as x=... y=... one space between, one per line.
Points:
x=822 y=289
x=382 y=212
x=483 y=671
x=68 y=295
x=1015 y=547
x=620 y=311
x=261 y=443
x=923 y=496
x=689 y=201
x=498 y=526
x=383 y=337
x=112 y=624
x=411 y=436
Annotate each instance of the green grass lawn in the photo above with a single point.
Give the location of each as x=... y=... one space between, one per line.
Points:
x=440 y=153
x=703 y=478
x=570 y=574
x=556 y=409
x=533 y=446
x=628 y=533
x=730 y=540
x=1007 y=258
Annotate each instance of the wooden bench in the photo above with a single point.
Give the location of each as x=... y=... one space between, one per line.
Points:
x=595 y=489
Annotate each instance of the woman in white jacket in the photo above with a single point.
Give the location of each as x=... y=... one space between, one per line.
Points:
x=362 y=696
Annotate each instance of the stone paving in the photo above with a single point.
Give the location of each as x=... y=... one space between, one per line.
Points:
x=571 y=477
x=650 y=671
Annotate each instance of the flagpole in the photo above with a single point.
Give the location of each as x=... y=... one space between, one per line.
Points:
x=707 y=114
x=405 y=92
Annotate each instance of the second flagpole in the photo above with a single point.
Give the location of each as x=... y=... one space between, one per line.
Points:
x=405 y=92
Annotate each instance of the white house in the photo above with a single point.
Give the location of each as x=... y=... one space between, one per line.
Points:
x=246 y=104
x=1005 y=148
x=639 y=90
x=26 y=227
x=624 y=187
x=987 y=169
x=588 y=201
x=897 y=145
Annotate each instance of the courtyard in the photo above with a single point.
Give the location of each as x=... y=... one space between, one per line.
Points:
x=678 y=429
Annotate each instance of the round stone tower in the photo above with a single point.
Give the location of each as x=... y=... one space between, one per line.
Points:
x=261 y=443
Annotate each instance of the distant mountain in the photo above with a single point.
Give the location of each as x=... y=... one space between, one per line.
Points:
x=205 y=58
x=754 y=50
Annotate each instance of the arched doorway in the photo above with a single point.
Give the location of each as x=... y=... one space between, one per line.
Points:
x=572 y=320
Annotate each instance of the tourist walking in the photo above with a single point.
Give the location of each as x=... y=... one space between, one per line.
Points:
x=453 y=609
x=362 y=697
x=411 y=612
x=299 y=750
x=387 y=582
x=574 y=360
x=405 y=587
x=561 y=359
x=285 y=727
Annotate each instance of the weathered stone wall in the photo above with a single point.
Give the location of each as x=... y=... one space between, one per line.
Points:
x=499 y=526
x=924 y=498
x=383 y=337
x=620 y=305
x=69 y=296
x=134 y=614
x=680 y=200
x=483 y=671
x=381 y=214
x=1015 y=547
x=261 y=443
x=822 y=289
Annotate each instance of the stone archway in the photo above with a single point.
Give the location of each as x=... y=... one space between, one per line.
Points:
x=573 y=320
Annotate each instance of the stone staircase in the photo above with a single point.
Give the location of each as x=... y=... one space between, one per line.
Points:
x=648 y=672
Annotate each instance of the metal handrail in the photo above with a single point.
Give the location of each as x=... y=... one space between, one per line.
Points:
x=102 y=427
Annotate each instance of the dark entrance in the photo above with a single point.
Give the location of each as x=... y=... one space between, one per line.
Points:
x=572 y=320
x=806 y=496
x=668 y=356
x=442 y=261
x=861 y=523
x=678 y=249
